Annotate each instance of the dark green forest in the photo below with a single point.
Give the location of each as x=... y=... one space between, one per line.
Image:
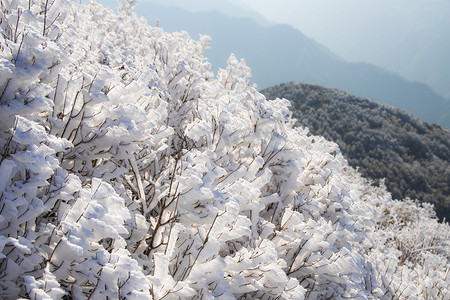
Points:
x=381 y=141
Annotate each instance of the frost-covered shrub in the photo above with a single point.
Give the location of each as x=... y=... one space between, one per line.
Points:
x=129 y=171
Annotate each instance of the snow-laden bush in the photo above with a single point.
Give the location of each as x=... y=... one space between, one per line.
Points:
x=129 y=171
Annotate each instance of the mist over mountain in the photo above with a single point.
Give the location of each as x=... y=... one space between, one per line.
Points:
x=408 y=37
x=230 y=8
x=381 y=141
x=281 y=53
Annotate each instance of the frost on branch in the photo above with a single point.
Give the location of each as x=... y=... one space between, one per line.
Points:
x=129 y=171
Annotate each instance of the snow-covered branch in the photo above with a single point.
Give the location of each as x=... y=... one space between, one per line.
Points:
x=129 y=171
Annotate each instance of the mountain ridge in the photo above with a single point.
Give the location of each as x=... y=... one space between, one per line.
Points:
x=382 y=141
x=281 y=53
x=410 y=38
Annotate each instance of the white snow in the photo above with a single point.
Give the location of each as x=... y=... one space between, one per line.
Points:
x=129 y=170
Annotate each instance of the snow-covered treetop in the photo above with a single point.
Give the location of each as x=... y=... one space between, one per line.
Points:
x=130 y=171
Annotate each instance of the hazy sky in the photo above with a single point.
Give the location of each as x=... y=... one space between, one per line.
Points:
x=325 y=19
x=311 y=17
x=336 y=22
x=408 y=37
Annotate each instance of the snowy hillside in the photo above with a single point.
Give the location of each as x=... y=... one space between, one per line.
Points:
x=381 y=141
x=130 y=171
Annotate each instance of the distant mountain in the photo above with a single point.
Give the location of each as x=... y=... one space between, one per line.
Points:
x=408 y=37
x=281 y=53
x=382 y=141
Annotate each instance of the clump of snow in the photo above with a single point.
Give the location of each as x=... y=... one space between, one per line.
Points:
x=128 y=170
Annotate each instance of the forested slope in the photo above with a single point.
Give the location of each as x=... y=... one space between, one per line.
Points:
x=383 y=142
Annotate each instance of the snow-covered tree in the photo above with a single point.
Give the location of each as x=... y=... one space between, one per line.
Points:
x=130 y=171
